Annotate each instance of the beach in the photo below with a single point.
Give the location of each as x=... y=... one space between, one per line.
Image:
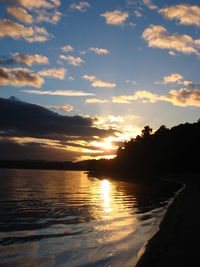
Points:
x=177 y=242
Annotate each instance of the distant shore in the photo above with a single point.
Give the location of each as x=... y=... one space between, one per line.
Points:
x=43 y=165
x=177 y=241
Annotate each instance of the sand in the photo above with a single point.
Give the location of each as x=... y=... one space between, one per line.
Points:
x=177 y=243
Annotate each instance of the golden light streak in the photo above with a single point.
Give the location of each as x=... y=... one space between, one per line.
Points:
x=105 y=193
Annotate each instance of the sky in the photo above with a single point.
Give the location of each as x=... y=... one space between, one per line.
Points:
x=78 y=78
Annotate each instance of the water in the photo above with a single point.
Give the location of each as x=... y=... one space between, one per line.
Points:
x=65 y=218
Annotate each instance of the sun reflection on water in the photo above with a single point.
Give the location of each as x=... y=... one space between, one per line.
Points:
x=85 y=216
x=105 y=191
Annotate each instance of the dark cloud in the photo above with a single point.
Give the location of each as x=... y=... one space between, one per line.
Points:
x=29 y=131
x=29 y=120
x=20 y=77
x=11 y=150
x=194 y=86
x=24 y=59
x=9 y=28
x=7 y=61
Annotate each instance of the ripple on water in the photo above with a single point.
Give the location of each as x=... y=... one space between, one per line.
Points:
x=66 y=218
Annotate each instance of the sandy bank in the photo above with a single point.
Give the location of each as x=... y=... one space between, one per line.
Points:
x=177 y=243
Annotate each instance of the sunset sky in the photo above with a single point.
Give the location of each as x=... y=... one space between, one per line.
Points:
x=77 y=78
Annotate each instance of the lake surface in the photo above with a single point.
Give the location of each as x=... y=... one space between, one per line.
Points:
x=66 y=218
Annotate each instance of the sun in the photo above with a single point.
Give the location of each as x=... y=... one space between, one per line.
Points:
x=107 y=144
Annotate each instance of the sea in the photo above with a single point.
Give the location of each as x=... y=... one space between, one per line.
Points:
x=74 y=219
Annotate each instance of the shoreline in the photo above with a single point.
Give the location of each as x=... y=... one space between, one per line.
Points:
x=176 y=242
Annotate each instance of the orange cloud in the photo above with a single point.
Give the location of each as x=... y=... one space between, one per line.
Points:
x=29 y=60
x=53 y=73
x=115 y=17
x=15 y=30
x=33 y=4
x=99 y=51
x=96 y=100
x=157 y=36
x=183 y=97
x=20 y=14
x=75 y=61
x=98 y=83
x=62 y=107
x=184 y=13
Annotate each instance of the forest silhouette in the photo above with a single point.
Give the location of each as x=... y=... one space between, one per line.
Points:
x=164 y=151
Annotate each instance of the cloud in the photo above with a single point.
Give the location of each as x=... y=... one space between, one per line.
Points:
x=173 y=78
x=58 y=92
x=99 y=51
x=194 y=86
x=183 y=97
x=20 y=77
x=20 y=14
x=49 y=150
x=115 y=17
x=137 y=13
x=149 y=4
x=157 y=36
x=146 y=96
x=15 y=30
x=81 y=6
x=75 y=61
x=67 y=48
x=131 y=24
x=33 y=150
x=98 y=83
x=40 y=34
x=122 y=99
x=50 y=17
x=127 y=124
x=132 y=82
x=90 y=78
x=29 y=60
x=51 y=136
x=7 y=61
x=12 y=29
x=186 y=14
x=62 y=107
x=33 y=4
x=96 y=100
x=53 y=73
x=25 y=59
x=29 y=120
x=172 y=53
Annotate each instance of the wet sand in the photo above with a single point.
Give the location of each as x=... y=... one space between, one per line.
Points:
x=177 y=243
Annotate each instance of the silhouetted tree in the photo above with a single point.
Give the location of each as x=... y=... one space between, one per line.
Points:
x=146 y=131
x=166 y=150
x=163 y=129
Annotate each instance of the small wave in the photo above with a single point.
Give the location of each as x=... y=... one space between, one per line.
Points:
x=20 y=240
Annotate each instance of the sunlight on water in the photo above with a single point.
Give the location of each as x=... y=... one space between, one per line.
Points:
x=62 y=218
x=106 y=196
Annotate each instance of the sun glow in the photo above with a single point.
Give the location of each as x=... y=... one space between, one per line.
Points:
x=106 y=144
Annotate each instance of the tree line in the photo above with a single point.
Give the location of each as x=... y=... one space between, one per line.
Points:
x=166 y=150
